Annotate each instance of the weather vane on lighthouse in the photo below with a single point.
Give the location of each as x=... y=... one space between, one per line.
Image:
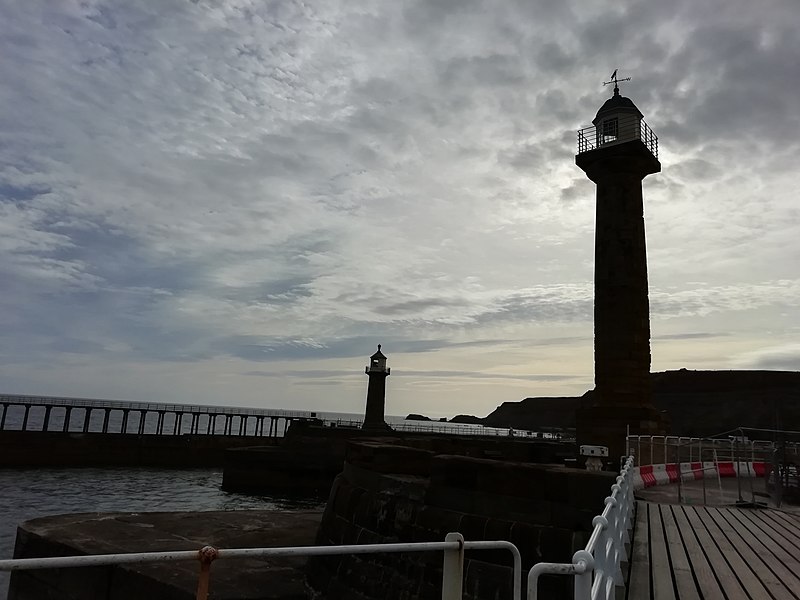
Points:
x=615 y=81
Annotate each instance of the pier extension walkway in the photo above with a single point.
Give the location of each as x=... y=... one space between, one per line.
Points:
x=685 y=552
x=51 y=414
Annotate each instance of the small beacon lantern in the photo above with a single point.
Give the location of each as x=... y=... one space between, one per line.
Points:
x=618 y=120
x=377 y=362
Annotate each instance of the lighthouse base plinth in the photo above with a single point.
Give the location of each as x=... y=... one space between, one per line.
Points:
x=609 y=425
x=376 y=427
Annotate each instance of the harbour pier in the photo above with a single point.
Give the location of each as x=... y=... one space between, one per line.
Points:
x=38 y=431
x=49 y=413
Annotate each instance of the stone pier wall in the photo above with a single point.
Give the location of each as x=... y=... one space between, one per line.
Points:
x=398 y=494
x=57 y=449
x=309 y=457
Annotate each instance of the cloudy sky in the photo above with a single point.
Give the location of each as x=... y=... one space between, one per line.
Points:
x=233 y=202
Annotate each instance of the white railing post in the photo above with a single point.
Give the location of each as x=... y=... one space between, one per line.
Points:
x=619 y=522
x=583 y=575
x=614 y=572
x=601 y=563
x=629 y=506
x=453 y=568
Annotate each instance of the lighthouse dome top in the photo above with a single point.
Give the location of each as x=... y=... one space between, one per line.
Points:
x=615 y=105
x=618 y=122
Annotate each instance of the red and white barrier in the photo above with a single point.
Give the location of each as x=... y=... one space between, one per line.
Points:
x=662 y=476
x=643 y=477
x=647 y=476
x=673 y=472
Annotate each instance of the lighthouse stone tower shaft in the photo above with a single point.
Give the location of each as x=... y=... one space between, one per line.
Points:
x=617 y=153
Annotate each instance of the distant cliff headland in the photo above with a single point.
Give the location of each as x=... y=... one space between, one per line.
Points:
x=699 y=403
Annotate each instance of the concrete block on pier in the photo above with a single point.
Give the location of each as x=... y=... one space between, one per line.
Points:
x=106 y=533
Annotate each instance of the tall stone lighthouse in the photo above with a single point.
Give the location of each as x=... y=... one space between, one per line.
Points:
x=376 y=392
x=617 y=153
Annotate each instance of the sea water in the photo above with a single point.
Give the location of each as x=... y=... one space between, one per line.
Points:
x=30 y=493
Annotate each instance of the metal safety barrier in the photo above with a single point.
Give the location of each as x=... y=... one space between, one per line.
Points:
x=598 y=567
x=661 y=460
x=453 y=548
x=732 y=445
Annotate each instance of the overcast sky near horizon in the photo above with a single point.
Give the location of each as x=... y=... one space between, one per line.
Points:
x=234 y=202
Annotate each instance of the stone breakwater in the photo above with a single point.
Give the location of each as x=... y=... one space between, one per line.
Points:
x=57 y=449
x=309 y=457
x=389 y=493
x=274 y=578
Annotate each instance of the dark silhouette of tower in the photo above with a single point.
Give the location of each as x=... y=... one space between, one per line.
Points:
x=376 y=392
x=617 y=153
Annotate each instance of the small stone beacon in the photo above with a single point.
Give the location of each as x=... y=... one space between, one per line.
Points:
x=377 y=371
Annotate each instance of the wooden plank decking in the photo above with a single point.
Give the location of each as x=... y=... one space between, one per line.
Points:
x=708 y=552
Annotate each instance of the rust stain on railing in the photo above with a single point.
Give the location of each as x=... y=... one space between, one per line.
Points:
x=206 y=555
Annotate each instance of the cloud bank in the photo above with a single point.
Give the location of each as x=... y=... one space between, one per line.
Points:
x=193 y=192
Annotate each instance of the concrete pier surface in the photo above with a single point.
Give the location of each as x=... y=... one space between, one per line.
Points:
x=108 y=533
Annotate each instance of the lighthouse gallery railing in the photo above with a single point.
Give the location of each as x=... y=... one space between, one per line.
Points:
x=628 y=129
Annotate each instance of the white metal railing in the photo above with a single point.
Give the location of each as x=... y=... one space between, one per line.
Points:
x=598 y=567
x=96 y=403
x=475 y=430
x=453 y=548
x=625 y=129
x=465 y=429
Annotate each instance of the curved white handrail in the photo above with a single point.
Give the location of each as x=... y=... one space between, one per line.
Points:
x=597 y=568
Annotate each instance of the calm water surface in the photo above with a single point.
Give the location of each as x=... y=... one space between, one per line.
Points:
x=29 y=493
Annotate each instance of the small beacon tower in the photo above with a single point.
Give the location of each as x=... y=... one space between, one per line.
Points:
x=376 y=392
x=617 y=153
